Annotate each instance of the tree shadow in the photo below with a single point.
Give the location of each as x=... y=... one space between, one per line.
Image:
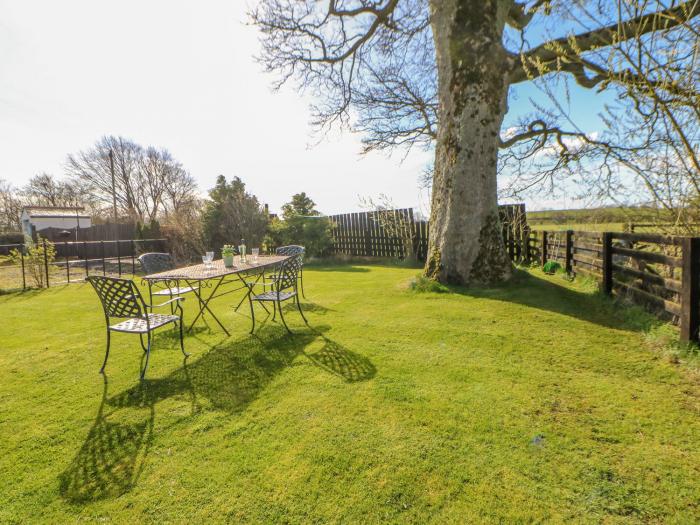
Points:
x=231 y=375
x=30 y=293
x=543 y=294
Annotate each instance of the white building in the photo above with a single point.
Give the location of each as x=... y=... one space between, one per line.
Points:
x=38 y=218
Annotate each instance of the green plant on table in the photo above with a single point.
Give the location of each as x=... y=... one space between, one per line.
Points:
x=228 y=250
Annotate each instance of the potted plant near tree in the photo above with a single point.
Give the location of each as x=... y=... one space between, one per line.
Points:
x=227 y=253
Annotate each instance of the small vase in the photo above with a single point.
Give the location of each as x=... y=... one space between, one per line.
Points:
x=228 y=261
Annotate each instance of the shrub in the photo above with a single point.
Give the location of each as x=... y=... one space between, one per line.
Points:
x=422 y=284
x=183 y=232
x=302 y=224
x=313 y=233
x=35 y=260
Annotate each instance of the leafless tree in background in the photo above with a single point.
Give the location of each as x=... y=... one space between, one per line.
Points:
x=408 y=72
x=46 y=190
x=148 y=181
x=10 y=207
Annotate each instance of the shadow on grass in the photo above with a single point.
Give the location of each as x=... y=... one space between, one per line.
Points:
x=230 y=375
x=543 y=294
x=30 y=293
x=337 y=267
x=307 y=307
x=111 y=458
x=340 y=361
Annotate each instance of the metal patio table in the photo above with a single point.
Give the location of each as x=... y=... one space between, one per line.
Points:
x=201 y=278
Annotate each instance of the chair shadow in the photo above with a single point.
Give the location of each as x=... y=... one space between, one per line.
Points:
x=306 y=306
x=344 y=363
x=231 y=375
x=110 y=460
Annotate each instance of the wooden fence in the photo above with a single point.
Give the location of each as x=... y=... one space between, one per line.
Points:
x=397 y=234
x=662 y=272
x=97 y=232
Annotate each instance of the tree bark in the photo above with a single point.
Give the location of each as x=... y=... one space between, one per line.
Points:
x=466 y=244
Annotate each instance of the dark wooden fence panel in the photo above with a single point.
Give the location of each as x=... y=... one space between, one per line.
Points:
x=397 y=234
x=658 y=271
x=98 y=232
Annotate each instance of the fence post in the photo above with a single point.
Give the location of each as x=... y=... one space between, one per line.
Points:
x=543 y=251
x=414 y=234
x=85 y=254
x=690 y=289
x=21 y=258
x=133 y=257
x=65 y=256
x=511 y=242
x=46 y=263
x=102 y=252
x=526 y=246
x=569 y=249
x=607 y=263
x=119 y=259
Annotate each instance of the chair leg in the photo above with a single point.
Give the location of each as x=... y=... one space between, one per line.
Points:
x=142 y=345
x=301 y=281
x=300 y=310
x=148 y=354
x=182 y=340
x=104 y=363
x=252 y=315
x=274 y=310
x=279 y=305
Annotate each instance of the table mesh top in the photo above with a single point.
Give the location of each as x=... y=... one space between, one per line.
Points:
x=198 y=272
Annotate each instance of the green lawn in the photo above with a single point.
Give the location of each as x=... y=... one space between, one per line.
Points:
x=527 y=403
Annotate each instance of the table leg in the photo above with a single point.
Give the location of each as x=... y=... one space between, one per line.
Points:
x=250 y=290
x=204 y=302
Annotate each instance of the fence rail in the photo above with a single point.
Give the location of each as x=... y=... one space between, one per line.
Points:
x=659 y=271
x=72 y=262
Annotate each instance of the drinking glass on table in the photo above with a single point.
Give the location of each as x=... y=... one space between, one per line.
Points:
x=254 y=252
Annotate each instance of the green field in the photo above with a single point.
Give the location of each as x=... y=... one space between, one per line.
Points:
x=599 y=219
x=536 y=401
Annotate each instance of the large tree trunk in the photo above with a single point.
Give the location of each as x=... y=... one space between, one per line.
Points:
x=466 y=244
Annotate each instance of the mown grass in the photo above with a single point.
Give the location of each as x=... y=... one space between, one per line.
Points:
x=535 y=401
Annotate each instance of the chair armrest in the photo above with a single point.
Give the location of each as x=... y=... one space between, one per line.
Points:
x=260 y=283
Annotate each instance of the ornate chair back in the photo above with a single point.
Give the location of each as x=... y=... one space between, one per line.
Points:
x=292 y=249
x=288 y=273
x=120 y=297
x=156 y=262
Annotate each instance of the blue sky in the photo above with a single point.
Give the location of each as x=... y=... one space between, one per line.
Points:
x=181 y=75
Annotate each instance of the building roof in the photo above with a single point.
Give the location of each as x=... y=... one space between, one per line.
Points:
x=54 y=212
